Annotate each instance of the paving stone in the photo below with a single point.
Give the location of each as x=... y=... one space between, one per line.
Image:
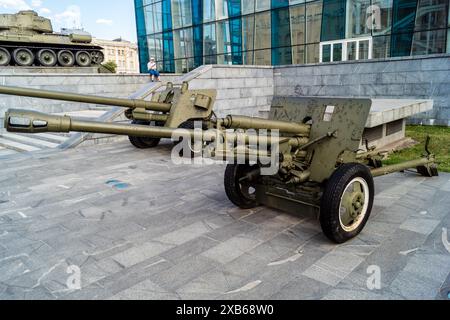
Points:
x=296 y=290
x=146 y=290
x=422 y=226
x=174 y=235
x=413 y=286
x=352 y=295
x=175 y=277
x=189 y=249
x=432 y=266
x=135 y=255
x=334 y=267
x=231 y=249
x=185 y=234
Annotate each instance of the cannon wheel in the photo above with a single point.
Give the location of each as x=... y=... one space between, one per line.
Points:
x=47 y=57
x=190 y=125
x=347 y=202
x=23 y=57
x=240 y=193
x=429 y=172
x=143 y=143
x=5 y=57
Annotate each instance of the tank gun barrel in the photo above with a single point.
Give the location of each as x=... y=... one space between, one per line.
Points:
x=73 y=97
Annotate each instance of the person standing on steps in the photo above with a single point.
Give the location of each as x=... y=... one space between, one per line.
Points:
x=153 y=70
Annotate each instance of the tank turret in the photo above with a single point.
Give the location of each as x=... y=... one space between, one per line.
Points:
x=27 y=39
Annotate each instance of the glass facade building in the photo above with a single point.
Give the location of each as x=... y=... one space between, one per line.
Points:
x=185 y=34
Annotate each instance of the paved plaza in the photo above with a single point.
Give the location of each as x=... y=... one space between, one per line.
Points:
x=135 y=226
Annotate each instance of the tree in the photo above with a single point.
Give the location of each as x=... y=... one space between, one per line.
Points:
x=111 y=66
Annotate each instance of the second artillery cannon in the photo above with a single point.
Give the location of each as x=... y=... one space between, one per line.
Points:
x=312 y=143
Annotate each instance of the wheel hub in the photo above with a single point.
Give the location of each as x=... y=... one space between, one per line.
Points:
x=357 y=204
x=353 y=205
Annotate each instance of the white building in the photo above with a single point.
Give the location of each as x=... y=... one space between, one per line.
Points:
x=123 y=53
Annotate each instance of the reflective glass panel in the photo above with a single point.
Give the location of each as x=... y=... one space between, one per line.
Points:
x=333 y=24
x=298 y=24
x=363 y=50
x=326 y=53
x=431 y=14
x=381 y=16
x=352 y=47
x=181 y=13
x=357 y=18
x=263 y=57
x=298 y=54
x=262 y=5
x=209 y=10
x=429 y=42
x=262 y=30
x=312 y=53
x=381 y=47
x=209 y=39
x=248 y=28
x=337 y=52
x=223 y=37
x=313 y=22
x=248 y=6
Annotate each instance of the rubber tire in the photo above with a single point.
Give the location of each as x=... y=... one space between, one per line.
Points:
x=62 y=63
x=33 y=57
x=232 y=188
x=46 y=64
x=188 y=125
x=8 y=60
x=143 y=143
x=94 y=59
x=423 y=171
x=331 y=200
x=78 y=61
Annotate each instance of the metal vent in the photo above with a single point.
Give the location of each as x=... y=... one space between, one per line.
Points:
x=373 y=134
x=394 y=127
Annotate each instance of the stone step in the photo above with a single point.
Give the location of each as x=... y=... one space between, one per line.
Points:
x=30 y=140
x=17 y=146
x=54 y=138
x=6 y=152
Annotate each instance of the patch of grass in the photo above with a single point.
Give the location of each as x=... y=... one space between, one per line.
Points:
x=440 y=145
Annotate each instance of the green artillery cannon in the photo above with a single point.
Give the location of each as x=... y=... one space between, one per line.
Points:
x=313 y=145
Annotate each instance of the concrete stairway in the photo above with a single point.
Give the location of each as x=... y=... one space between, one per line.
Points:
x=11 y=143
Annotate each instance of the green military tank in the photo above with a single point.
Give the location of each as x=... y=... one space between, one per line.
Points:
x=27 y=39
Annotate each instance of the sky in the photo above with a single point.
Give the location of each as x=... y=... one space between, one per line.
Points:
x=104 y=19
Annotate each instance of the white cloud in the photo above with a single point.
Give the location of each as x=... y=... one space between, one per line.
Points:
x=45 y=11
x=36 y=3
x=70 y=18
x=104 y=21
x=14 y=4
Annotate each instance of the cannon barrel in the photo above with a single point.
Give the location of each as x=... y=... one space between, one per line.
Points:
x=241 y=122
x=24 y=121
x=73 y=97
